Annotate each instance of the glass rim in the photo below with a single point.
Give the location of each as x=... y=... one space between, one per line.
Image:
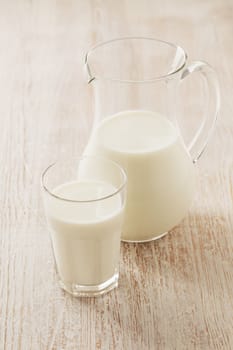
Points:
x=79 y=159
x=160 y=77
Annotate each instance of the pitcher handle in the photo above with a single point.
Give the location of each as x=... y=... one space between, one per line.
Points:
x=199 y=142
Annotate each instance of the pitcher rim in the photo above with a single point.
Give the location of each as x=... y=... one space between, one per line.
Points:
x=160 y=77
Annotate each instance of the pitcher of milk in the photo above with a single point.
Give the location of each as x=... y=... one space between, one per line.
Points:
x=135 y=84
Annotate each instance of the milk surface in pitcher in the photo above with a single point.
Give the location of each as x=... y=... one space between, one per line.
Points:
x=160 y=173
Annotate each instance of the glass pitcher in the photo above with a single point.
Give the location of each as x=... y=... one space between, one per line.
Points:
x=136 y=83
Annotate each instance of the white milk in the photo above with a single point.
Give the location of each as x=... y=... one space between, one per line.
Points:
x=85 y=236
x=159 y=170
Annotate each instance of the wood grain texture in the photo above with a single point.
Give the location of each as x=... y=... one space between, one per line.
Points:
x=176 y=293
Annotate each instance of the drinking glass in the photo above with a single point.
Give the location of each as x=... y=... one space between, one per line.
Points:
x=84 y=202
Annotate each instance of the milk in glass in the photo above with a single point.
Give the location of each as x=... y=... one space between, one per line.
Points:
x=85 y=236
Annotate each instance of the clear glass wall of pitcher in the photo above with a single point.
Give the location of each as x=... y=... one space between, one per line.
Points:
x=136 y=83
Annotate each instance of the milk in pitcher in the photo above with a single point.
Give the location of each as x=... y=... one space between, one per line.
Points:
x=160 y=172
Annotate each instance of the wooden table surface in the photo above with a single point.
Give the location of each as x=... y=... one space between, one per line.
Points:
x=176 y=293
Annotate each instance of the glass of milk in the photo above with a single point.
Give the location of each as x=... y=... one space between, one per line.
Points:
x=84 y=203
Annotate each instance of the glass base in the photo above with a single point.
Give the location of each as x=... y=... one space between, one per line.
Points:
x=90 y=290
x=145 y=240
